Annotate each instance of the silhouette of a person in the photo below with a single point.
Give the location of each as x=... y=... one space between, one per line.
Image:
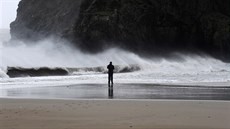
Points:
x=110 y=68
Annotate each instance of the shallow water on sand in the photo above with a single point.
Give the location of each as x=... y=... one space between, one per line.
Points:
x=120 y=91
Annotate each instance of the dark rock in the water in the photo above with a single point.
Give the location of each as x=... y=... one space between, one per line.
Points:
x=33 y=72
x=149 y=27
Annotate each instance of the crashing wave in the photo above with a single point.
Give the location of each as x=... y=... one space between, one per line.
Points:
x=3 y=74
x=32 y=72
x=61 y=71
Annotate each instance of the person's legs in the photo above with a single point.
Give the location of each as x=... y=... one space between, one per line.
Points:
x=112 y=78
x=109 y=78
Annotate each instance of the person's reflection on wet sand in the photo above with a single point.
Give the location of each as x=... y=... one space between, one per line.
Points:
x=110 y=92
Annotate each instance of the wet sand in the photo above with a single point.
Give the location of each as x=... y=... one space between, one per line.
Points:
x=113 y=114
x=121 y=91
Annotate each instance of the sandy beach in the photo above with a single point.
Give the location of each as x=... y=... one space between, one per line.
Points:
x=113 y=114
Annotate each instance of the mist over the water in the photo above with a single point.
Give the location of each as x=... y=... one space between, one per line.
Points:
x=52 y=53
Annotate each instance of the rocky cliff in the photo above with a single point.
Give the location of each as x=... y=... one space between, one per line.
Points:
x=152 y=27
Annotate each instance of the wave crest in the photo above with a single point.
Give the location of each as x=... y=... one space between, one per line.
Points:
x=46 y=71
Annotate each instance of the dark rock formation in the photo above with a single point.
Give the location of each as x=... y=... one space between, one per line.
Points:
x=37 y=19
x=145 y=26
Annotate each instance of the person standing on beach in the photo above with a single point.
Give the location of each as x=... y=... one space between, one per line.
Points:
x=110 y=68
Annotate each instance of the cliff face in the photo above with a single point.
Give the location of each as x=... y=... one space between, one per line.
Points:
x=37 y=19
x=143 y=26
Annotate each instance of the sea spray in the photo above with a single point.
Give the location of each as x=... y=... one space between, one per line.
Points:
x=50 y=53
x=53 y=53
x=3 y=74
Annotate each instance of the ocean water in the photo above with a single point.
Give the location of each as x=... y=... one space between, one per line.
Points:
x=181 y=69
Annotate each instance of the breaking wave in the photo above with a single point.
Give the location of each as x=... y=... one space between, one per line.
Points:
x=3 y=74
x=51 y=58
x=45 y=71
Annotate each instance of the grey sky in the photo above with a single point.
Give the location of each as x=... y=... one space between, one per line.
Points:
x=7 y=12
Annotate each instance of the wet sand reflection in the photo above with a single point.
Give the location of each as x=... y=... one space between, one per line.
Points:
x=110 y=91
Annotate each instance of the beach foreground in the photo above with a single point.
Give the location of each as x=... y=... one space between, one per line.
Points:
x=113 y=114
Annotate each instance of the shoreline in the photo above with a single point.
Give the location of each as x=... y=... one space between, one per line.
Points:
x=192 y=84
x=119 y=91
x=113 y=114
x=131 y=100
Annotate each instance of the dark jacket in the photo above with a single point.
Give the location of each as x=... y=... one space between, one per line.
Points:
x=110 y=67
